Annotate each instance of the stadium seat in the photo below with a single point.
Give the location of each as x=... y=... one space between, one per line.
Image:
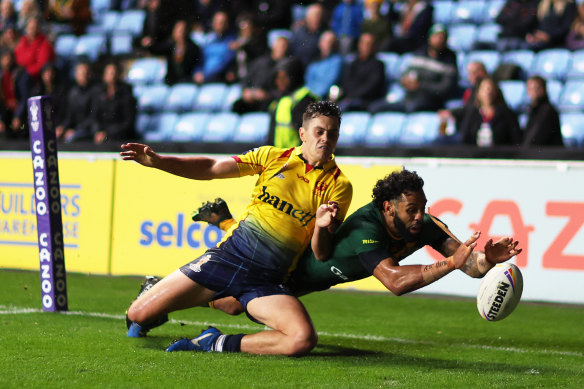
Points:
x=221 y=127
x=461 y=37
x=143 y=121
x=487 y=35
x=105 y=24
x=384 y=129
x=91 y=46
x=443 y=11
x=233 y=94
x=404 y=61
x=99 y=7
x=353 y=128
x=522 y=58
x=65 y=45
x=121 y=44
x=572 y=128
x=554 y=89
x=395 y=93
x=277 y=33
x=420 y=128
x=391 y=62
x=161 y=127
x=190 y=127
x=253 y=128
x=131 y=21
x=181 y=97
x=576 y=70
x=469 y=11
x=146 y=71
x=515 y=94
x=210 y=97
x=492 y=10
x=552 y=63
x=572 y=98
x=152 y=98
x=490 y=58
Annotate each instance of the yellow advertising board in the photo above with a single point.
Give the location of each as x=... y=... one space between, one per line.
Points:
x=86 y=192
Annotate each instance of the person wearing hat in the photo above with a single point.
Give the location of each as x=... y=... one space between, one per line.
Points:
x=429 y=79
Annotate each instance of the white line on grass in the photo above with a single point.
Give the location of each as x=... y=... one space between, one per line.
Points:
x=5 y=310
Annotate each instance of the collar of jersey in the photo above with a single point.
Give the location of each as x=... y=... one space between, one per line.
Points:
x=326 y=166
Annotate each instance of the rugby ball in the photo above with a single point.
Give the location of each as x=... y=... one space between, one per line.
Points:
x=500 y=292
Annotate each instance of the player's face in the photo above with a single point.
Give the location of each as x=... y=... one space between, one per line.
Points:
x=319 y=139
x=408 y=216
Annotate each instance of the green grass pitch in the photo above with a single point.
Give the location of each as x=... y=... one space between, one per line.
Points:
x=366 y=340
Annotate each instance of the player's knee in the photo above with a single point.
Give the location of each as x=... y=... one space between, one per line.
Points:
x=302 y=342
x=138 y=314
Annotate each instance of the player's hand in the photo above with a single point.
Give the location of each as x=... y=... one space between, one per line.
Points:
x=140 y=153
x=501 y=251
x=326 y=214
x=465 y=250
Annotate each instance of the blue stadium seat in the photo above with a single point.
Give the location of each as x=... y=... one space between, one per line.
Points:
x=353 y=128
x=469 y=11
x=91 y=46
x=420 y=128
x=65 y=45
x=253 y=128
x=572 y=128
x=384 y=129
x=514 y=92
x=190 y=127
x=233 y=94
x=210 y=97
x=576 y=70
x=461 y=37
x=487 y=34
x=443 y=11
x=143 y=121
x=492 y=10
x=572 y=98
x=404 y=61
x=105 y=24
x=152 y=98
x=121 y=44
x=554 y=89
x=552 y=63
x=99 y=7
x=277 y=33
x=391 y=62
x=221 y=127
x=395 y=93
x=146 y=71
x=491 y=59
x=522 y=58
x=161 y=127
x=131 y=21
x=181 y=97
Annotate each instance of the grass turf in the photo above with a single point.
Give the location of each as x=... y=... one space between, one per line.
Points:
x=365 y=340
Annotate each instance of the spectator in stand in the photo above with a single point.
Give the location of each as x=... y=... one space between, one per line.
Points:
x=114 y=108
x=490 y=122
x=375 y=23
x=290 y=100
x=182 y=54
x=304 y=41
x=54 y=85
x=258 y=85
x=217 y=56
x=430 y=78
x=555 y=18
x=325 y=72
x=517 y=18
x=77 y=118
x=73 y=13
x=575 y=38
x=34 y=50
x=364 y=78
x=16 y=86
x=543 y=122
x=413 y=23
x=251 y=43
x=9 y=39
x=157 y=24
x=346 y=24
x=8 y=16
x=29 y=10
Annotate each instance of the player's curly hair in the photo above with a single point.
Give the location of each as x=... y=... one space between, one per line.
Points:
x=393 y=185
x=321 y=108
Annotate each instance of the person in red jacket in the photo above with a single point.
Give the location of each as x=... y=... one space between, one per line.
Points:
x=34 y=49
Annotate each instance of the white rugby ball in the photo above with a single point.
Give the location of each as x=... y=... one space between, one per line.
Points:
x=500 y=292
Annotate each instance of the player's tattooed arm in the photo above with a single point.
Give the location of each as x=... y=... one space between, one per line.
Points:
x=479 y=262
x=475 y=266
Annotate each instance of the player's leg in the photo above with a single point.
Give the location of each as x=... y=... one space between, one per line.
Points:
x=292 y=330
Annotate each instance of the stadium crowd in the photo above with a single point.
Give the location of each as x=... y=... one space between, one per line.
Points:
x=284 y=55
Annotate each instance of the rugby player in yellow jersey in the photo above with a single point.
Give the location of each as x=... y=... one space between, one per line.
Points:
x=300 y=198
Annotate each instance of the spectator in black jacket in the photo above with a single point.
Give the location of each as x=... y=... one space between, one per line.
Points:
x=543 y=121
x=517 y=18
x=555 y=18
x=364 y=78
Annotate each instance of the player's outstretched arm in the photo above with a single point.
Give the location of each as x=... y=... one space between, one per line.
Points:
x=404 y=279
x=479 y=263
x=193 y=167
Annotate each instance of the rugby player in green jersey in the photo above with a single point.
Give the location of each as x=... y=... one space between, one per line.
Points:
x=375 y=238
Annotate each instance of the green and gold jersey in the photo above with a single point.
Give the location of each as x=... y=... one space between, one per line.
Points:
x=364 y=232
x=287 y=194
